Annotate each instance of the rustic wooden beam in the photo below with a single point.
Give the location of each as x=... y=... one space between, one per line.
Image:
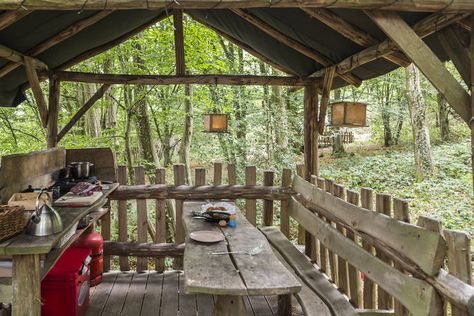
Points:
x=309 y=92
x=185 y=192
x=352 y=32
x=53 y=112
x=400 y=5
x=58 y=38
x=26 y=285
x=186 y=79
x=179 y=42
x=19 y=58
x=36 y=89
x=246 y=47
x=117 y=248
x=471 y=108
x=423 y=28
x=414 y=47
x=10 y=17
x=96 y=96
x=456 y=51
x=327 y=86
x=465 y=24
x=290 y=42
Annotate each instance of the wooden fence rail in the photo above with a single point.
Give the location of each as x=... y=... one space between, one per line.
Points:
x=376 y=225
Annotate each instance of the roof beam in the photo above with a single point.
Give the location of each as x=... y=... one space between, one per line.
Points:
x=291 y=43
x=80 y=113
x=327 y=86
x=186 y=79
x=58 y=38
x=457 y=53
x=352 y=32
x=423 y=28
x=10 y=17
x=247 y=48
x=36 y=89
x=19 y=58
x=400 y=5
x=424 y=58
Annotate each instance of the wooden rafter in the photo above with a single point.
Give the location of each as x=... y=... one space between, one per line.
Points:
x=58 y=38
x=10 y=17
x=400 y=5
x=96 y=96
x=290 y=42
x=19 y=58
x=327 y=86
x=36 y=89
x=423 y=28
x=465 y=24
x=53 y=112
x=179 y=42
x=424 y=58
x=246 y=47
x=457 y=53
x=186 y=79
x=352 y=32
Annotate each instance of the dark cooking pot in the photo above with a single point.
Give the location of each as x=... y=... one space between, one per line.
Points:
x=80 y=169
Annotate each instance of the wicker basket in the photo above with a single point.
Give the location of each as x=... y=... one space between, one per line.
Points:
x=12 y=221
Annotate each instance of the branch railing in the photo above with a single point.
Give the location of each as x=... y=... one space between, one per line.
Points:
x=389 y=238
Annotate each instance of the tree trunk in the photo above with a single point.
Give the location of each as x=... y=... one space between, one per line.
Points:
x=184 y=152
x=421 y=136
x=443 y=119
x=92 y=117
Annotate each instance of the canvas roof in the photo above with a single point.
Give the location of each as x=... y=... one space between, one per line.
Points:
x=293 y=22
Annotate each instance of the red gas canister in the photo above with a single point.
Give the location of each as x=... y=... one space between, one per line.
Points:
x=93 y=241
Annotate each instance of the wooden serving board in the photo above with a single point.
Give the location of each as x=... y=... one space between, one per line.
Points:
x=71 y=199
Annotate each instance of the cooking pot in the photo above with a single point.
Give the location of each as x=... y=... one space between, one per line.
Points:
x=80 y=169
x=45 y=220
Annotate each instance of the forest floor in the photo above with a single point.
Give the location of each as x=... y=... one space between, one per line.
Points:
x=446 y=195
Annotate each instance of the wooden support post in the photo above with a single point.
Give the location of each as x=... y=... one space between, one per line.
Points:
x=284 y=305
x=36 y=89
x=26 y=285
x=53 y=112
x=315 y=134
x=105 y=231
x=200 y=176
x=231 y=174
x=400 y=212
x=123 y=218
x=251 y=204
x=217 y=173
x=471 y=121
x=142 y=219
x=284 y=217
x=424 y=58
x=459 y=259
x=96 y=96
x=309 y=92
x=314 y=253
x=268 y=177
x=383 y=205
x=342 y=268
x=179 y=41
x=160 y=221
x=367 y=202
x=355 y=285
x=179 y=172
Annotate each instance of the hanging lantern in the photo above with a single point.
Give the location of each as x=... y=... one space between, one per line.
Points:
x=348 y=114
x=216 y=123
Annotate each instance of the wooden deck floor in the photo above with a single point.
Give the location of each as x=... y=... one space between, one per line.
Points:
x=151 y=293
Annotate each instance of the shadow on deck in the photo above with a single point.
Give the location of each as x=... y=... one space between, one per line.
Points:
x=152 y=293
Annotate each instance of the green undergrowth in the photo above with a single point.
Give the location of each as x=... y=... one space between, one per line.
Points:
x=446 y=195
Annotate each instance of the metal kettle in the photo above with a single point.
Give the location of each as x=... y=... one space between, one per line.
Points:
x=45 y=220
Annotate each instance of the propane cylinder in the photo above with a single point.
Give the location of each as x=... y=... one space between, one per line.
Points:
x=93 y=241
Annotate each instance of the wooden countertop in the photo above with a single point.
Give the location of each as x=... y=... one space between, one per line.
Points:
x=23 y=244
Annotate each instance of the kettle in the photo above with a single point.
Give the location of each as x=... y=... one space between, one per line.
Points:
x=45 y=220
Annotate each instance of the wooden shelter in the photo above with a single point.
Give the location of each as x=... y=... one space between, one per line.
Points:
x=320 y=45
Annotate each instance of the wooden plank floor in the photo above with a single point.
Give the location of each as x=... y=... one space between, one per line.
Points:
x=162 y=294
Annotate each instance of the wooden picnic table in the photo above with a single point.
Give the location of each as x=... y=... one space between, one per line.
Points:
x=232 y=276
